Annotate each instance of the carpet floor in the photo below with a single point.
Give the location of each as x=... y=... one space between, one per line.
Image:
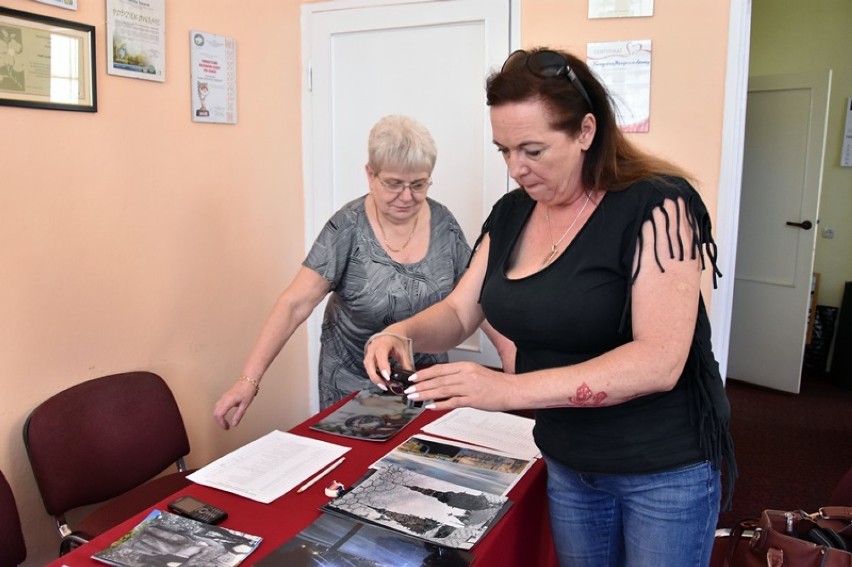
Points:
x=792 y=449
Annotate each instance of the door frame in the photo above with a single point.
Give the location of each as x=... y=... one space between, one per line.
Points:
x=730 y=177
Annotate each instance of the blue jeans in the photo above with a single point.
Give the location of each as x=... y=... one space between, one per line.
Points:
x=644 y=520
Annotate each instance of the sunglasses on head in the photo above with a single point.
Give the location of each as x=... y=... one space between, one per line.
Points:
x=547 y=64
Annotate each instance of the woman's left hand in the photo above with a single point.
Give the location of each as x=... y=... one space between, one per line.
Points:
x=464 y=384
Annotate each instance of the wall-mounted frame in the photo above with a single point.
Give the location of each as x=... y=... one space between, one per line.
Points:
x=46 y=62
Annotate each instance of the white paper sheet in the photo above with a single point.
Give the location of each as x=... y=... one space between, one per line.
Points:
x=507 y=433
x=268 y=467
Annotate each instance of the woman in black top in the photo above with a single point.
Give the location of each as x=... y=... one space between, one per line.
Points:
x=592 y=269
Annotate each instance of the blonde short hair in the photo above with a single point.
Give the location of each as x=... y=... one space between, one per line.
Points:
x=398 y=141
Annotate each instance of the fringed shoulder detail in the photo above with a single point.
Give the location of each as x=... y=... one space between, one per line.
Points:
x=702 y=245
x=652 y=195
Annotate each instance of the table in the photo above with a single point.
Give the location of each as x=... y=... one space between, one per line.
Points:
x=521 y=537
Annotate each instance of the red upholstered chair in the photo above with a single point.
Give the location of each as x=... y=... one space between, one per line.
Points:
x=105 y=439
x=13 y=550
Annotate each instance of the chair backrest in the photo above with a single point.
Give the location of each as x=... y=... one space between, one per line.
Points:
x=13 y=550
x=103 y=437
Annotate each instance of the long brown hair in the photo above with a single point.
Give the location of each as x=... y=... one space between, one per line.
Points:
x=612 y=162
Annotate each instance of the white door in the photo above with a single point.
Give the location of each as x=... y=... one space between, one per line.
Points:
x=425 y=59
x=782 y=175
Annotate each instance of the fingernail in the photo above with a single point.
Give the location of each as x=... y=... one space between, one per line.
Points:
x=413 y=395
x=385 y=374
x=429 y=406
x=382 y=386
x=413 y=378
x=409 y=390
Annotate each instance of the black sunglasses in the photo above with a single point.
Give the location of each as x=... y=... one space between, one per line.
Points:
x=547 y=64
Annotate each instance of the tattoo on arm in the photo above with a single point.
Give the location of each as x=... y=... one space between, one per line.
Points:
x=585 y=397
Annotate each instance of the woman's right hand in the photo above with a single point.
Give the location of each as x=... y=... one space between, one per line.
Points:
x=379 y=350
x=238 y=398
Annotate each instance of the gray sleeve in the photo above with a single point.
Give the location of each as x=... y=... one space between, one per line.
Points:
x=461 y=249
x=330 y=253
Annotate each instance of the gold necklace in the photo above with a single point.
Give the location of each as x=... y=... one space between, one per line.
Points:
x=555 y=245
x=384 y=236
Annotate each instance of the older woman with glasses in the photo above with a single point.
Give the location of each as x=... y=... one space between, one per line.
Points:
x=383 y=257
x=592 y=268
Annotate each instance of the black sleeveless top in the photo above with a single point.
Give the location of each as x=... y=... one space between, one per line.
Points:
x=578 y=307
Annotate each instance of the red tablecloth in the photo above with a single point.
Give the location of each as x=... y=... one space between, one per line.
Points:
x=521 y=537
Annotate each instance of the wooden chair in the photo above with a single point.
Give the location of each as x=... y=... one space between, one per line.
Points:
x=105 y=439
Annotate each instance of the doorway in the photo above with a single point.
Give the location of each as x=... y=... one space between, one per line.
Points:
x=427 y=59
x=779 y=203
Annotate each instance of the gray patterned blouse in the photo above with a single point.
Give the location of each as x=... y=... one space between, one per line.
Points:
x=370 y=291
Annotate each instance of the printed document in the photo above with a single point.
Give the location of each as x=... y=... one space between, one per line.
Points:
x=268 y=467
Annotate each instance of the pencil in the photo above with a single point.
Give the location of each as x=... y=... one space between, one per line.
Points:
x=327 y=470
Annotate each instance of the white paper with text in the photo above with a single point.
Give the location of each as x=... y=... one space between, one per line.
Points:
x=269 y=467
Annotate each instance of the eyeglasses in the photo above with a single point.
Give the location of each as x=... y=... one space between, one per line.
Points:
x=397 y=186
x=547 y=64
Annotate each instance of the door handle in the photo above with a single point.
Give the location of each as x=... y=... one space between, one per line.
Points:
x=804 y=225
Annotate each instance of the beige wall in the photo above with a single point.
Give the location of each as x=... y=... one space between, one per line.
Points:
x=136 y=239
x=789 y=36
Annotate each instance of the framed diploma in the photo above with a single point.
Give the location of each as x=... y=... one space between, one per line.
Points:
x=46 y=62
x=67 y=4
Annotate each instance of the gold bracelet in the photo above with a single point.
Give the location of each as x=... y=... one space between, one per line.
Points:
x=252 y=381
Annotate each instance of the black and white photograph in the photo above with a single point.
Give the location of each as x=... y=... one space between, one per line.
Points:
x=164 y=539
x=422 y=506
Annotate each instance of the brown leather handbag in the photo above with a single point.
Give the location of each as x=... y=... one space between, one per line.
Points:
x=794 y=539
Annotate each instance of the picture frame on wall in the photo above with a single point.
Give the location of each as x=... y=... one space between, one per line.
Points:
x=136 y=39
x=48 y=62
x=67 y=4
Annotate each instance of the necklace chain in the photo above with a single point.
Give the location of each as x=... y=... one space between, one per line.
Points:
x=384 y=236
x=555 y=245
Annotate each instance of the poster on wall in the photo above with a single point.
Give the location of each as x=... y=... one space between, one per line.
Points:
x=625 y=69
x=136 y=39
x=67 y=4
x=846 y=154
x=620 y=8
x=213 y=77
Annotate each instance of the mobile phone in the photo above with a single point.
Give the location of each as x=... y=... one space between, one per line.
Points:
x=197 y=510
x=399 y=382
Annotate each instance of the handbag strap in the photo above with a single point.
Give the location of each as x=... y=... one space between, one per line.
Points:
x=736 y=536
x=836 y=512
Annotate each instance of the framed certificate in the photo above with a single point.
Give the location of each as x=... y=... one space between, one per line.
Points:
x=46 y=62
